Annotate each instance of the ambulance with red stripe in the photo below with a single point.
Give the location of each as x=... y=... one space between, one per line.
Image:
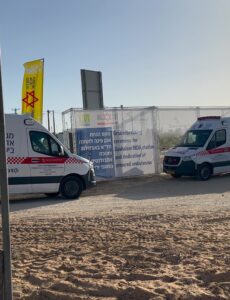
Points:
x=38 y=163
x=204 y=150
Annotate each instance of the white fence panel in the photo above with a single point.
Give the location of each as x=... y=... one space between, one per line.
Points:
x=120 y=142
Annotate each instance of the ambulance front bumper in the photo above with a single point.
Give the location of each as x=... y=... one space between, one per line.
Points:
x=185 y=168
x=89 y=179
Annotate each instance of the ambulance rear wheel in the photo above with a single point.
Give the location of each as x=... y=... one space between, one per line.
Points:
x=71 y=187
x=204 y=172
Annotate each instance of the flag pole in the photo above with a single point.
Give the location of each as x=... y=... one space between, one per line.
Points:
x=43 y=66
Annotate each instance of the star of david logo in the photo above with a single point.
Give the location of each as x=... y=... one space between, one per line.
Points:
x=27 y=99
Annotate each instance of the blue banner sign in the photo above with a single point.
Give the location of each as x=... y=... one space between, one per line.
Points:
x=96 y=144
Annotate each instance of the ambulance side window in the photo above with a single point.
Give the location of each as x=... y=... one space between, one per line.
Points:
x=217 y=140
x=41 y=142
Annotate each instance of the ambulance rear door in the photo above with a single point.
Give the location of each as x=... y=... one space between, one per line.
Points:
x=17 y=155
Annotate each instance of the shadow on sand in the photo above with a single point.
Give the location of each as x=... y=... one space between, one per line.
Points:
x=162 y=186
x=138 y=188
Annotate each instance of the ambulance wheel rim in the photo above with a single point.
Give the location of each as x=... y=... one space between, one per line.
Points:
x=205 y=172
x=71 y=187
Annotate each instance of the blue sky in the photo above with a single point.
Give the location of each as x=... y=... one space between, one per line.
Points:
x=150 y=52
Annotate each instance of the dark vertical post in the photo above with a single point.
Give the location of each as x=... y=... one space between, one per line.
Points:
x=71 y=143
x=48 y=116
x=7 y=280
x=15 y=110
x=54 y=123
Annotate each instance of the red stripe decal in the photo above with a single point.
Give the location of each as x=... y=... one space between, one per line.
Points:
x=213 y=151
x=219 y=150
x=43 y=160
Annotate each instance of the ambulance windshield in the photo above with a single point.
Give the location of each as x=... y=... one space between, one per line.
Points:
x=195 y=138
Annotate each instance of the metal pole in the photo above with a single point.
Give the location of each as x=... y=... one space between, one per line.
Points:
x=156 y=150
x=43 y=65
x=15 y=110
x=48 y=115
x=54 y=123
x=7 y=280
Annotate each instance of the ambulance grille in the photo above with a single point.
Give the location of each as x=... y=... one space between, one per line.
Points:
x=171 y=160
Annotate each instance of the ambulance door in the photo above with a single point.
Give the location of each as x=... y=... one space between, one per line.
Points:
x=218 y=151
x=46 y=162
x=17 y=156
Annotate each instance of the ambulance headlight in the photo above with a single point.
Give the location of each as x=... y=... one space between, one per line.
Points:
x=187 y=158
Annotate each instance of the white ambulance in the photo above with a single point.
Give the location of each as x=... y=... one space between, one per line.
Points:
x=38 y=163
x=204 y=150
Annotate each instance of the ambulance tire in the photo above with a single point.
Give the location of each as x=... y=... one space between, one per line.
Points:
x=71 y=187
x=204 y=172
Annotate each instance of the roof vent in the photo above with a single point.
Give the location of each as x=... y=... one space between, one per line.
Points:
x=29 y=122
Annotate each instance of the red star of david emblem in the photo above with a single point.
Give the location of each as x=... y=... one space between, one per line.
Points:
x=27 y=98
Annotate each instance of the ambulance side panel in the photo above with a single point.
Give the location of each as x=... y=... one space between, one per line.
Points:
x=17 y=152
x=220 y=156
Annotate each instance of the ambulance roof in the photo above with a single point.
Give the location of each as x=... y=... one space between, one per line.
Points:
x=210 y=122
x=24 y=119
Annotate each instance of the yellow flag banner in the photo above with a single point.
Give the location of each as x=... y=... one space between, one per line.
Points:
x=32 y=89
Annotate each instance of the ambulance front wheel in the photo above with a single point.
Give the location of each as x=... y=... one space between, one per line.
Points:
x=71 y=187
x=204 y=172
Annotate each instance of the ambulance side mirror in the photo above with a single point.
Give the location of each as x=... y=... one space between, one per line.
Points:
x=62 y=152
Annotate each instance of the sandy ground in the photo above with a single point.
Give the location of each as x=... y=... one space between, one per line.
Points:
x=147 y=238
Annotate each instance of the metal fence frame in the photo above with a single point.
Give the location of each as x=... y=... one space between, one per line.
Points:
x=68 y=120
